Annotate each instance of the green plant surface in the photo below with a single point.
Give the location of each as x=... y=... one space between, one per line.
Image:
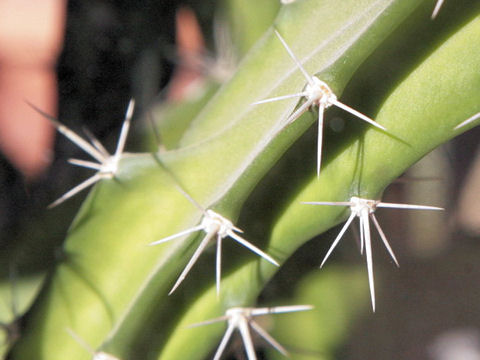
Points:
x=338 y=295
x=17 y=294
x=173 y=118
x=111 y=288
x=248 y=21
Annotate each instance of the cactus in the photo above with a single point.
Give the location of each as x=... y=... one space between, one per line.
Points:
x=111 y=289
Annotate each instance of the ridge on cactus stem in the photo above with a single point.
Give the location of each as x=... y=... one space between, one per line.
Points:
x=364 y=209
x=106 y=164
x=316 y=93
x=241 y=318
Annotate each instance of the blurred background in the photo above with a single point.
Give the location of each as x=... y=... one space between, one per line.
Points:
x=169 y=54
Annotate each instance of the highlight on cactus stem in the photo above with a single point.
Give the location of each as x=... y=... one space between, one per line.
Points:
x=106 y=164
x=241 y=319
x=216 y=227
x=364 y=209
x=316 y=93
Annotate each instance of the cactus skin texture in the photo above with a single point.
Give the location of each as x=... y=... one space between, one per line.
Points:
x=111 y=287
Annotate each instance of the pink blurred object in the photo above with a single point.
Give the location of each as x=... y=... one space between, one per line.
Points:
x=190 y=48
x=31 y=37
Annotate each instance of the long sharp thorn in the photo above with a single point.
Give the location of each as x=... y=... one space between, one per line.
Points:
x=408 y=206
x=280 y=309
x=299 y=112
x=358 y=114
x=297 y=62
x=265 y=310
x=177 y=235
x=362 y=235
x=278 y=98
x=384 y=238
x=72 y=136
x=43 y=113
x=224 y=342
x=90 y=181
x=292 y=308
x=190 y=198
x=80 y=341
x=321 y=109
x=356 y=235
x=96 y=143
x=77 y=140
x=253 y=248
x=468 y=121
x=218 y=270
x=237 y=229
x=329 y=203
x=436 y=10
x=247 y=340
x=268 y=338
x=208 y=322
x=125 y=127
x=130 y=109
x=193 y=260
x=81 y=143
x=338 y=238
x=368 y=252
x=85 y=164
